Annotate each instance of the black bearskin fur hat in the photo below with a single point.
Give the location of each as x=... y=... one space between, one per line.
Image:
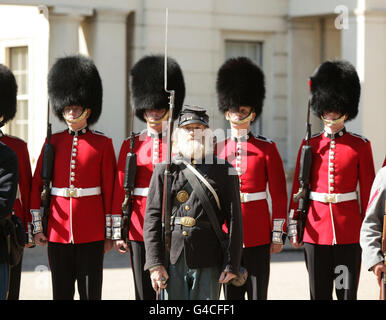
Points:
x=8 y=93
x=240 y=82
x=147 y=85
x=75 y=81
x=335 y=87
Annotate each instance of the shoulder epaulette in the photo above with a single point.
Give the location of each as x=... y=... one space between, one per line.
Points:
x=263 y=138
x=359 y=136
x=98 y=132
x=316 y=134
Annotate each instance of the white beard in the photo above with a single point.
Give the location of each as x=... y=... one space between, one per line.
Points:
x=192 y=148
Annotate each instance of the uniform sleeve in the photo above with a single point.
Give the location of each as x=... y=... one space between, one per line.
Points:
x=371 y=230
x=25 y=180
x=277 y=184
x=36 y=185
x=293 y=206
x=119 y=193
x=366 y=175
x=109 y=165
x=235 y=223
x=152 y=226
x=8 y=182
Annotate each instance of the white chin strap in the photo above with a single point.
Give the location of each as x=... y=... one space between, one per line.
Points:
x=166 y=115
x=330 y=123
x=242 y=121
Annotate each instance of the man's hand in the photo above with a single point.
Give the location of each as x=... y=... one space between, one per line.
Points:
x=378 y=269
x=40 y=239
x=276 y=247
x=121 y=246
x=225 y=277
x=158 y=277
x=108 y=245
x=294 y=243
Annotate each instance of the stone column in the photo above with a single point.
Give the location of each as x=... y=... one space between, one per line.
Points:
x=106 y=34
x=304 y=57
x=363 y=44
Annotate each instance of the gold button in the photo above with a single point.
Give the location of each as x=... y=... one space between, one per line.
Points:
x=187 y=208
x=184 y=233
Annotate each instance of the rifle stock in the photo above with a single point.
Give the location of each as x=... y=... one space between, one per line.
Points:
x=128 y=186
x=296 y=229
x=46 y=175
x=302 y=196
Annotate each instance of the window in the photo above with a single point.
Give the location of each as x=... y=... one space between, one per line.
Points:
x=18 y=63
x=254 y=51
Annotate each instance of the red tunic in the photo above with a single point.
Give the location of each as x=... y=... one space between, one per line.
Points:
x=260 y=164
x=21 y=206
x=384 y=163
x=339 y=163
x=149 y=150
x=86 y=160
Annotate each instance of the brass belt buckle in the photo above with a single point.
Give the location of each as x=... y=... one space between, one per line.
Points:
x=188 y=221
x=331 y=198
x=72 y=193
x=241 y=197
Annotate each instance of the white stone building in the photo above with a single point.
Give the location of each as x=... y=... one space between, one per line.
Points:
x=288 y=38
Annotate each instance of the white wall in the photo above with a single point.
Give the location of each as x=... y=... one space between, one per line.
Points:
x=25 y=26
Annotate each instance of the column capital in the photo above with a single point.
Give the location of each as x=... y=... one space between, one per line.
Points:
x=70 y=12
x=110 y=15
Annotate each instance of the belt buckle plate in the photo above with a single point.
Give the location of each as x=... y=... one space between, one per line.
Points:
x=188 y=221
x=242 y=198
x=330 y=198
x=72 y=193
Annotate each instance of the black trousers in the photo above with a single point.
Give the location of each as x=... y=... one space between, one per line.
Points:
x=142 y=282
x=328 y=264
x=257 y=261
x=14 y=281
x=76 y=262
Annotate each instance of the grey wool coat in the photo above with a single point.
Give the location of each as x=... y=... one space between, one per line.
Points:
x=372 y=226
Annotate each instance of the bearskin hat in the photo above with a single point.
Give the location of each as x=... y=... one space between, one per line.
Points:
x=8 y=93
x=147 y=85
x=240 y=82
x=75 y=81
x=335 y=87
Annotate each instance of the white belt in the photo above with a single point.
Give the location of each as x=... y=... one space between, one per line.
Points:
x=141 y=192
x=75 y=192
x=247 y=197
x=333 y=197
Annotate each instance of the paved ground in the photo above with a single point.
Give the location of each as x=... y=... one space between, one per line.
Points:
x=288 y=280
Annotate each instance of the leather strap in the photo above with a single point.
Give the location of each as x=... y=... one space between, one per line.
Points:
x=205 y=202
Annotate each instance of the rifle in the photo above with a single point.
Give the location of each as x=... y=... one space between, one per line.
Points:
x=128 y=185
x=46 y=175
x=382 y=295
x=166 y=196
x=302 y=196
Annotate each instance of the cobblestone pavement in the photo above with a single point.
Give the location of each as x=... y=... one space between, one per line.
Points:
x=288 y=278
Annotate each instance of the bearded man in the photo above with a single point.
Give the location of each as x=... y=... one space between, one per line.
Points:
x=197 y=265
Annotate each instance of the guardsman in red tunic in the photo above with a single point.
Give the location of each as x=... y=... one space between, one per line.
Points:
x=340 y=162
x=8 y=88
x=151 y=104
x=82 y=184
x=241 y=92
